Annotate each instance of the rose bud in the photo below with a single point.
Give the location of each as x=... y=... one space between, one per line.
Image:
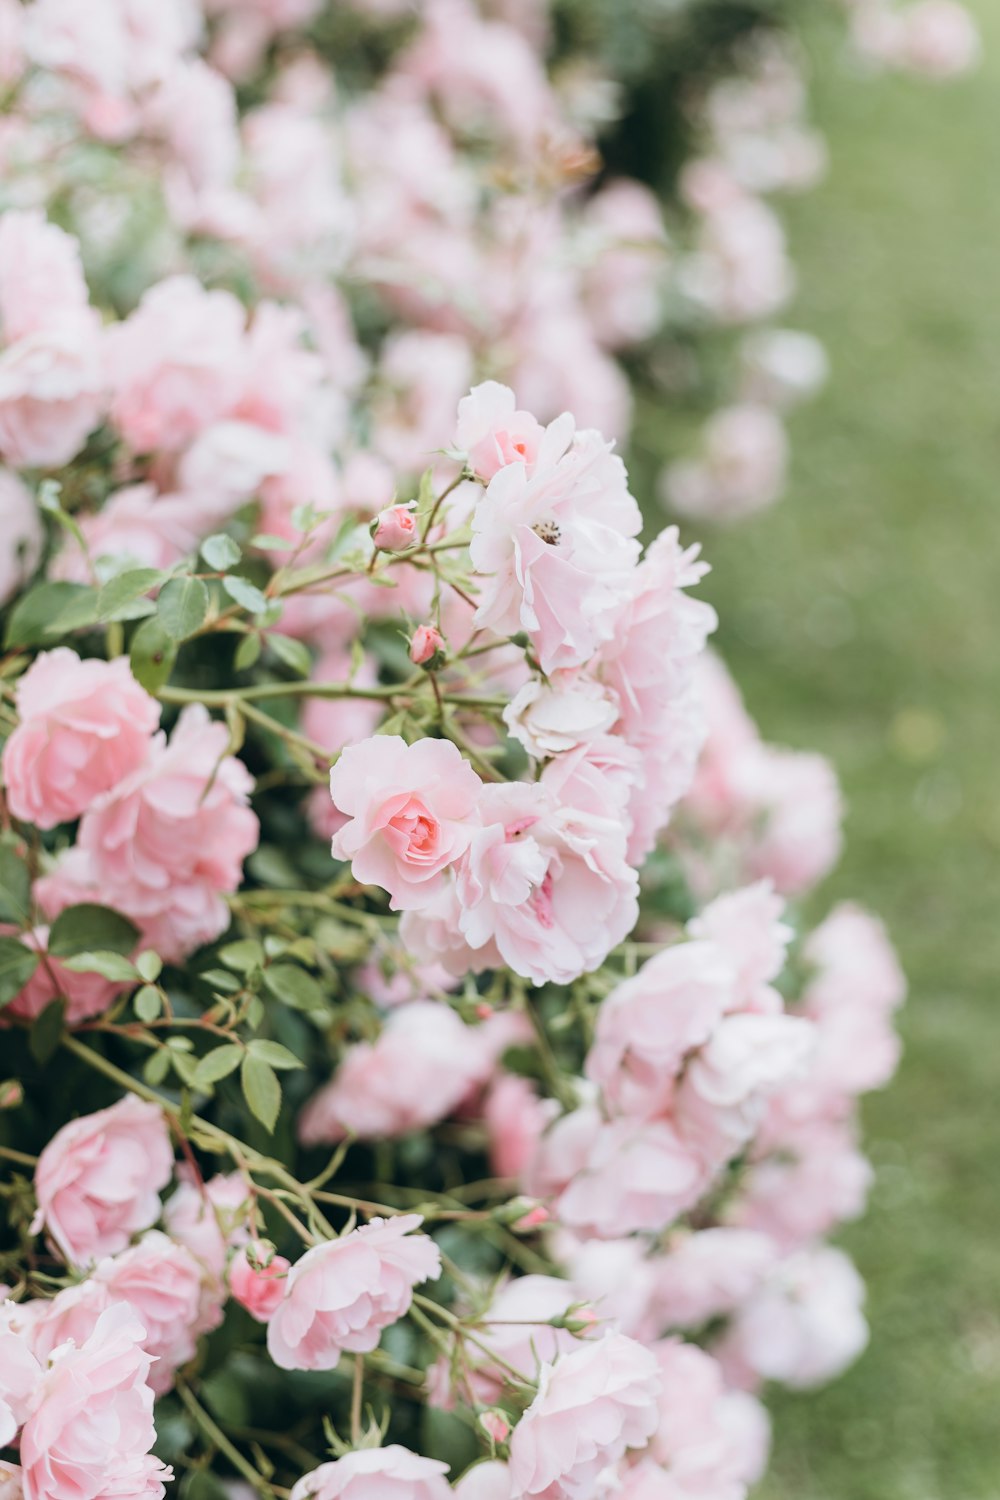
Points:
x=427 y=647
x=257 y=1279
x=394 y=529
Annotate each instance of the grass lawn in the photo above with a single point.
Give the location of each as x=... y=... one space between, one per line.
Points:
x=862 y=617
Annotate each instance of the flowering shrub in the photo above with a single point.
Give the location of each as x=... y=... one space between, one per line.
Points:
x=416 y=1075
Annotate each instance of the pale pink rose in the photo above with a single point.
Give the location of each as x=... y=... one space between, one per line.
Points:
x=136 y=527
x=742 y=467
x=854 y=962
x=426 y=643
x=935 y=39
x=424 y=1064
x=341 y=1294
x=23 y=534
x=614 y=1277
x=170 y=839
x=392 y=1473
x=546 y=883
x=701 y=1437
x=84 y=726
x=707 y=1274
x=41 y=277
x=746 y=926
x=551 y=718
x=92 y=1425
x=610 y=1179
x=208 y=1218
x=808 y=1176
x=432 y=936
x=647 y=1026
x=176 y=364
x=723 y=1095
x=85 y=995
x=194 y=112
x=395 y=529
x=515 y=1119
x=52 y=391
x=592 y=1406
x=783 y=367
x=258 y=1286
x=161 y=1282
x=556 y=547
x=98 y=1180
x=803 y=1327
x=20 y=1372
x=494 y=433
x=11 y=1482
x=232 y=460
x=421 y=377
x=411 y=812
x=488 y=1480
x=739 y=271
x=623 y=281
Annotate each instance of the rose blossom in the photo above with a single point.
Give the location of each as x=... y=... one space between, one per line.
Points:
x=701 y=1437
x=392 y=1473
x=84 y=727
x=208 y=1217
x=613 y=1276
x=552 y=718
x=342 y=1293
x=51 y=391
x=41 y=275
x=85 y=995
x=23 y=534
x=98 y=1180
x=741 y=470
x=708 y=1273
x=92 y=1425
x=258 y=1287
x=591 y=1407
x=493 y=433
x=515 y=1119
x=135 y=526
x=411 y=810
x=426 y=643
x=487 y=1480
x=395 y=529
x=165 y=844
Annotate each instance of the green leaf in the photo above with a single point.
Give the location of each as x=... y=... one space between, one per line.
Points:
x=88 y=927
x=242 y=956
x=182 y=607
x=124 y=589
x=218 y=979
x=156 y=1067
x=247 y=652
x=46 y=1032
x=292 y=652
x=147 y=1002
x=273 y=1053
x=152 y=655
x=149 y=965
x=220 y=551
x=266 y=542
x=262 y=1090
x=217 y=1064
x=243 y=592
x=15 y=887
x=17 y=964
x=294 y=987
x=33 y=617
x=426 y=497
x=109 y=965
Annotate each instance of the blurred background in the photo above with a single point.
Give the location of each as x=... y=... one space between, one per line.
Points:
x=860 y=617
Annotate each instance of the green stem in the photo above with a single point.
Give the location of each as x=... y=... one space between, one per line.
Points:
x=216 y=1435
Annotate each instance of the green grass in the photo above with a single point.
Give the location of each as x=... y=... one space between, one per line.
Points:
x=862 y=617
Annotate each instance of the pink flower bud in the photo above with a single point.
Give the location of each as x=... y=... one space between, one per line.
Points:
x=394 y=529
x=533 y=1218
x=427 y=643
x=495 y=1424
x=483 y=1011
x=257 y=1279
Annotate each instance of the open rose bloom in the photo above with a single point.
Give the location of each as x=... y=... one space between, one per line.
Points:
x=418 y=1075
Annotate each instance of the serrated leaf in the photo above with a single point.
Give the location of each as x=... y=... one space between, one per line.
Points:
x=152 y=655
x=15 y=887
x=32 y=618
x=147 y=1002
x=46 y=1032
x=273 y=1053
x=88 y=928
x=262 y=1090
x=293 y=987
x=244 y=955
x=292 y=652
x=220 y=551
x=245 y=593
x=182 y=607
x=247 y=652
x=109 y=965
x=17 y=964
x=217 y=1064
x=125 y=588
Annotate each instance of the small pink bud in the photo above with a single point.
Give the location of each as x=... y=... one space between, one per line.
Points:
x=495 y=1424
x=483 y=1011
x=533 y=1218
x=394 y=529
x=427 y=643
x=257 y=1279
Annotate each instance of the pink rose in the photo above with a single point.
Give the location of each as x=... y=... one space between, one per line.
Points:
x=23 y=534
x=395 y=529
x=41 y=275
x=208 y=1218
x=421 y=1068
x=392 y=1473
x=493 y=433
x=701 y=1437
x=176 y=364
x=411 y=811
x=741 y=470
x=515 y=1119
x=86 y=995
x=807 y=1177
x=592 y=1406
x=343 y=1293
x=84 y=727
x=92 y=1425
x=489 y=1480
x=258 y=1284
x=551 y=718
x=556 y=547
x=165 y=844
x=746 y=927
x=139 y=527
x=51 y=392
x=98 y=1180
x=707 y=1274
x=426 y=643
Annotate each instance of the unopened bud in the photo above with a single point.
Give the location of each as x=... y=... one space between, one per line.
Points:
x=427 y=647
x=495 y=1424
x=394 y=529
